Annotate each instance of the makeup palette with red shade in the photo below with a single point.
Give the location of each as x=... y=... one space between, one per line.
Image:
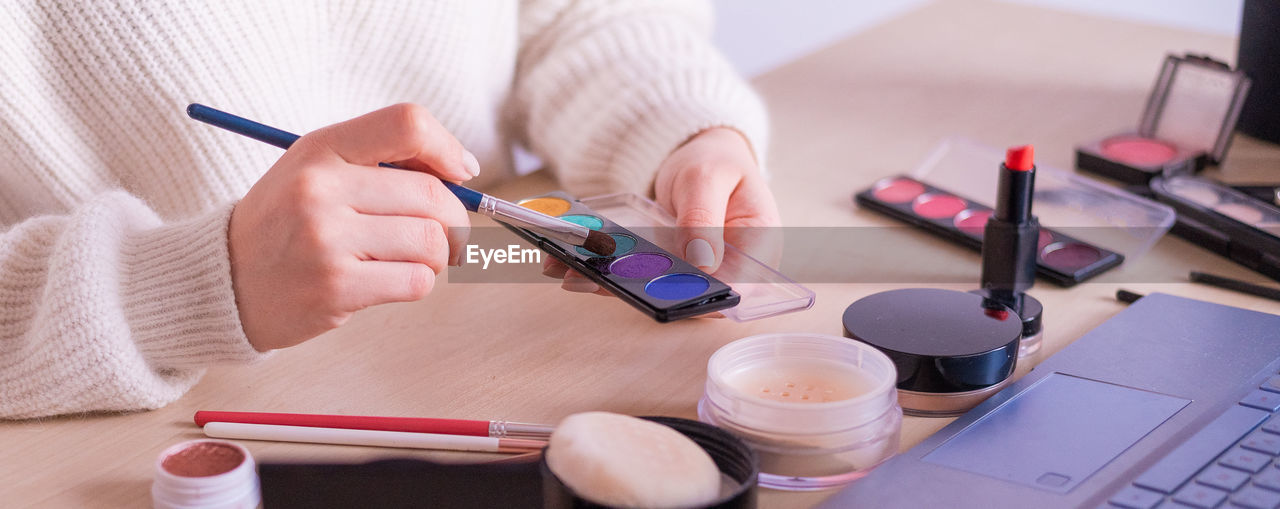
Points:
x=1187 y=124
x=1062 y=259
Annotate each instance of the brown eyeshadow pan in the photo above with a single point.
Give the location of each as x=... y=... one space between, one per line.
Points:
x=1242 y=212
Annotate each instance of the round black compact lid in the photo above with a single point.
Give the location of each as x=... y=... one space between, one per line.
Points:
x=940 y=340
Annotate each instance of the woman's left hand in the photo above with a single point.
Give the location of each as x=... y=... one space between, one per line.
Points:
x=711 y=183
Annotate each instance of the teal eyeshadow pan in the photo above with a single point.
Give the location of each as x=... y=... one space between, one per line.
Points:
x=591 y=222
x=639 y=272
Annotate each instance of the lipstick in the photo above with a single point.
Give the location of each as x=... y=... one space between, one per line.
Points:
x=1009 y=241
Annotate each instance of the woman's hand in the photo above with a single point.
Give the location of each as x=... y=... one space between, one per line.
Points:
x=326 y=232
x=713 y=185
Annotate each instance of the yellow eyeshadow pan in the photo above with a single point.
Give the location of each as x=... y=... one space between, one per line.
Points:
x=547 y=205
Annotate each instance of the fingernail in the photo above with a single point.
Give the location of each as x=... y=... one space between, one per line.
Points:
x=699 y=253
x=471 y=163
x=579 y=284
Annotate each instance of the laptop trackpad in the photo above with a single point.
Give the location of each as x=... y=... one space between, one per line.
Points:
x=1057 y=433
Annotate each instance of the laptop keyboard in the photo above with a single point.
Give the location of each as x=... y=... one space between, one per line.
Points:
x=1231 y=462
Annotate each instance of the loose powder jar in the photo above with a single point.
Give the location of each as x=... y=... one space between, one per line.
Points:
x=820 y=411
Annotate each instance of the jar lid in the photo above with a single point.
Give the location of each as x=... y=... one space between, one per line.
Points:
x=940 y=341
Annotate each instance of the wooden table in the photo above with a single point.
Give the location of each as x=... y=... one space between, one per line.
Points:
x=869 y=106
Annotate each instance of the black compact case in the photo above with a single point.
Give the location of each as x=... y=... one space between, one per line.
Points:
x=1187 y=124
x=509 y=484
x=1060 y=258
x=1225 y=221
x=680 y=290
x=732 y=456
x=951 y=349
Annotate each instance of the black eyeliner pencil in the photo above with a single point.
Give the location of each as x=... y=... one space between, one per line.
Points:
x=1127 y=296
x=1232 y=284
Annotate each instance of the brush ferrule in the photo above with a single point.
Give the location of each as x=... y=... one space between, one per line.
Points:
x=543 y=224
x=505 y=429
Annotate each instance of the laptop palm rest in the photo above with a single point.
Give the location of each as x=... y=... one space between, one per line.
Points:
x=1057 y=433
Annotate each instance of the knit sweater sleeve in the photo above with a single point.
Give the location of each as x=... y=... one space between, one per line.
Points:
x=109 y=308
x=606 y=89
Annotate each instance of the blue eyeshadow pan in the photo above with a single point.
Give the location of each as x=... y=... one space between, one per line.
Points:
x=677 y=286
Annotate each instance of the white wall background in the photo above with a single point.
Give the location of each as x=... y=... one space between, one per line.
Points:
x=759 y=35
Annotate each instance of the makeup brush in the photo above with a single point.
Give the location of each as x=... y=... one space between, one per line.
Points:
x=338 y=436
x=495 y=429
x=474 y=201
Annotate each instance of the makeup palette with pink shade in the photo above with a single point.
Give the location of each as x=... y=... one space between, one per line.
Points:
x=1087 y=228
x=1225 y=221
x=1186 y=125
x=1062 y=259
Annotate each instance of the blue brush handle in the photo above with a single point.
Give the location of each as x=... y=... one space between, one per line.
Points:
x=284 y=139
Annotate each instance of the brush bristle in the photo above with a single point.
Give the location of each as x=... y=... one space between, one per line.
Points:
x=600 y=243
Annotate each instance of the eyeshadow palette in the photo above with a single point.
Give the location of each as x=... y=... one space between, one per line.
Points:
x=1062 y=259
x=1225 y=221
x=1187 y=124
x=641 y=273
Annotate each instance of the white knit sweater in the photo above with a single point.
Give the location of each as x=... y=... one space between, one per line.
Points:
x=115 y=287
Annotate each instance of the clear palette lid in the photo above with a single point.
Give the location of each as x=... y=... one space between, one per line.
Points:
x=765 y=292
x=1096 y=213
x=1195 y=103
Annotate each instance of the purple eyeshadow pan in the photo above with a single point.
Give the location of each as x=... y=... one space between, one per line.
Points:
x=640 y=265
x=1070 y=256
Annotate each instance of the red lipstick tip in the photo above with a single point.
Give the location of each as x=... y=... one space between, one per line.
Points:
x=1020 y=158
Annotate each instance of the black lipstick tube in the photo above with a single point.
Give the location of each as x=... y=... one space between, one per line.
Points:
x=1009 y=243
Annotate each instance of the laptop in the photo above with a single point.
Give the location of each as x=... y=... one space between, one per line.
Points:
x=1173 y=402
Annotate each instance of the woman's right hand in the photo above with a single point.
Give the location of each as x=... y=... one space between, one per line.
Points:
x=326 y=232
